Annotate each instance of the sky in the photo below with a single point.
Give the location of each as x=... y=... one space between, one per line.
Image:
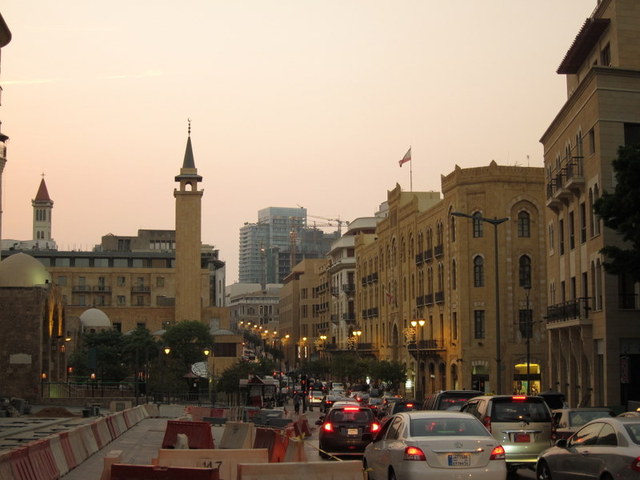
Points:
x=292 y=103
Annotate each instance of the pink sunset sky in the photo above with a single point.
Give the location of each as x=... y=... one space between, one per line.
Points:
x=292 y=102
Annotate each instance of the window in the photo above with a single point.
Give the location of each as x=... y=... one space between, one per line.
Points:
x=592 y=141
x=632 y=134
x=526 y=324
x=478 y=324
x=454 y=275
x=454 y=325
x=140 y=301
x=605 y=56
x=583 y=222
x=572 y=237
x=122 y=281
x=524 y=225
x=121 y=300
x=117 y=326
x=561 y=232
x=62 y=280
x=524 y=271
x=477 y=225
x=141 y=325
x=478 y=271
x=159 y=281
x=551 y=237
x=82 y=300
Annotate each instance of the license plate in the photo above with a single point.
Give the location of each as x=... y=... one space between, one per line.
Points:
x=522 y=438
x=459 y=460
x=352 y=431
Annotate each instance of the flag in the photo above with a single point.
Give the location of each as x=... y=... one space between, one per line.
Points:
x=406 y=158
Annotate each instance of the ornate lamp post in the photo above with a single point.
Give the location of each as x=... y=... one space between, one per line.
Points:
x=495 y=222
x=419 y=387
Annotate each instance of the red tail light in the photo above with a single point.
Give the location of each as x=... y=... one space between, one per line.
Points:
x=413 y=453
x=635 y=465
x=497 y=453
x=375 y=427
x=487 y=423
x=351 y=409
x=327 y=427
x=519 y=398
x=409 y=405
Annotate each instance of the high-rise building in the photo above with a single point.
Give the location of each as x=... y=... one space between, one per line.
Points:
x=5 y=38
x=592 y=316
x=279 y=239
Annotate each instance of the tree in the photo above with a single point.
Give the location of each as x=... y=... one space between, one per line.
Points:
x=101 y=353
x=620 y=211
x=187 y=341
x=392 y=373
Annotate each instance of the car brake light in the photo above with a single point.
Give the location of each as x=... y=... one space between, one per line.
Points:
x=375 y=427
x=410 y=405
x=487 y=423
x=413 y=453
x=497 y=453
x=635 y=465
x=327 y=427
x=351 y=409
x=519 y=398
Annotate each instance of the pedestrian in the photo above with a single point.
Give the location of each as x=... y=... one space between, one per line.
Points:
x=296 y=403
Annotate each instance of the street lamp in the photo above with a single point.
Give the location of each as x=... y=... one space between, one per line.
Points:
x=415 y=324
x=357 y=334
x=495 y=222
x=528 y=332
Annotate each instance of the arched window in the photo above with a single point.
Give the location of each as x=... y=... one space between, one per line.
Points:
x=524 y=225
x=454 y=275
x=595 y=220
x=452 y=227
x=524 y=271
x=478 y=271
x=477 y=225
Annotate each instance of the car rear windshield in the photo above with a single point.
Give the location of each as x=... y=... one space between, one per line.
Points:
x=351 y=415
x=460 y=427
x=527 y=410
x=579 y=418
x=454 y=401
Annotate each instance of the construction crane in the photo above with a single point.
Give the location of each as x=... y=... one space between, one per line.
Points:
x=336 y=221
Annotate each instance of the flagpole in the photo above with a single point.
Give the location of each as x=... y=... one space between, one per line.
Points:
x=411 y=174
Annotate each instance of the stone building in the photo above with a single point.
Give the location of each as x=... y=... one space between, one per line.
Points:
x=33 y=347
x=592 y=316
x=428 y=266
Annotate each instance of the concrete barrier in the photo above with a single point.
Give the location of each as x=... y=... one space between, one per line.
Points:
x=58 y=455
x=77 y=445
x=118 y=419
x=21 y=467
x=294 y=450
x=238 y=435
x=274 y=441
x=151 y=409
x=121 y=471
x=65 y=441
x=347 y=470
x=226 y=460
x=198 y=433
x=101 y=431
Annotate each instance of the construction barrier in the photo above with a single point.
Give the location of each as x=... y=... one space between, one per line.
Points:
x=294 y=450
x=21 y=467
x=238 y=435
x=41 y=458
x=274 y=441
x=101 y=432
x=301 y=427
x=114 y=456
x=6 y=473
x=226 y=460
x=67 y=449
x=118 y=420
x=58 y=455
x=88 y=439
x=152 y=410
x=198 y=433
x=121 y=471
x=120 y=405
x=346 y=470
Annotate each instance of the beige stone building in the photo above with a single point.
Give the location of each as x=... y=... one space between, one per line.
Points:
x=592 y=317
x=428 y=266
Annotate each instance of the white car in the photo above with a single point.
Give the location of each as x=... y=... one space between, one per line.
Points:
x=434 y=444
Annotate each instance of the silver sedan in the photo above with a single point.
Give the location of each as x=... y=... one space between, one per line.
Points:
x=435 y=445
x=605 y=448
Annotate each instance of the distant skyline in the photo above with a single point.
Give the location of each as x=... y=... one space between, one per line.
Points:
x=292 y=103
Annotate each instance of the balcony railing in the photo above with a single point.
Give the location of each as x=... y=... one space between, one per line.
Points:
x=571 y=310
x=428 y=255
x=140 y=289
x=438 y=250
x=429 y=347
x=349 y=288
x=439 y=297
x=82 y=288
x=419 y=259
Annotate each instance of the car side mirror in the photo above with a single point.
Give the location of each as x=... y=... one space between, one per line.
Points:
x=562 y=443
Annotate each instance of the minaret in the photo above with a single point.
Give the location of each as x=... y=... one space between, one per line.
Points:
x=42 y=210
x=188 y=242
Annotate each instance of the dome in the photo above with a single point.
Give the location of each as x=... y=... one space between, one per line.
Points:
x=94 y=318
x=222 y=331
x=22 y=270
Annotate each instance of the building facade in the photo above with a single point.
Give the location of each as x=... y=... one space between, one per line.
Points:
x=592 y=316
x=427 y=282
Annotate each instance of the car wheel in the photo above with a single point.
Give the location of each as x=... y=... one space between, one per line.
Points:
x=365 y=469
x=542 y=471
x=392 y=474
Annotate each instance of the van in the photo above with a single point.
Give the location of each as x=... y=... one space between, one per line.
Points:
x=449 y=399
x=521 y=423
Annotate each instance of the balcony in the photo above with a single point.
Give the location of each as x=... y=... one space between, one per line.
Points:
x=574 y=176
x=335 y=319
x=419 y=259
x=426 y=348
x=438 y=250
x=428 y=299
x=349 y=288
x=420 y=301
x=140 y=289
x=350 y=317
x=428 y=255
x=567 y=314
x=82 y=289
x=439 y=297
x=102 y=289
x=335 y=291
